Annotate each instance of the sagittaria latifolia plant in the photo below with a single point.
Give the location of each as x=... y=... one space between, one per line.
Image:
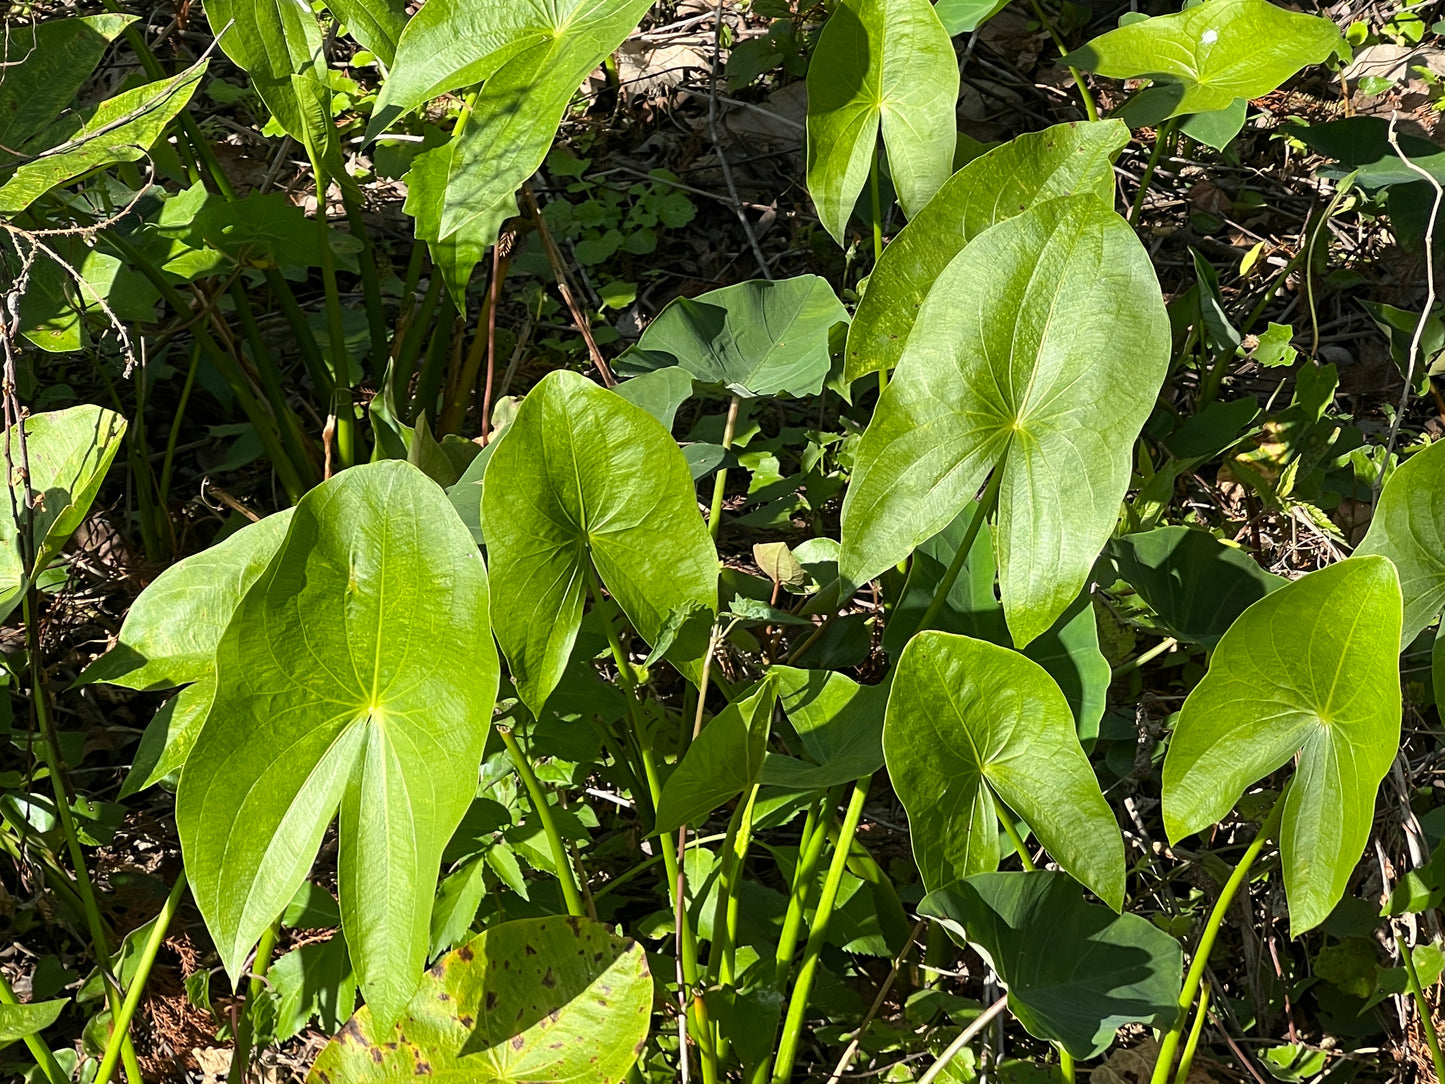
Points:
x=449 y=649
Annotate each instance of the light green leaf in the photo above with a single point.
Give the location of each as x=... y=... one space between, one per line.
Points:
x=376 y=24
x=1409 y=529
x=885 y=64
x=358 y=671
x=1207 y=56
x=69 y=453
x=969 y=723
x=1037 y=166
x=966 y=16
x=1197 y=584
x=840 y=724
x=1075 y=972
x=754 y=338
x=457 y=254
x=583 y=475
x=530 y=57
x=45 y=66
x=18 y=1021
x=723 y=760
x=119 y=129
x=1039 y=352
x=554 y=999
x=169 y=736
x=1313 y=670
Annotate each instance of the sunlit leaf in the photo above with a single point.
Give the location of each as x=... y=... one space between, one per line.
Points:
x=1409 y=529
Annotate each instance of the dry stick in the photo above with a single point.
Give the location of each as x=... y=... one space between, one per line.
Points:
x=564 y=285
x=847 y=1058
x=722 y=158
x=1429 y=298
x=964 y=1038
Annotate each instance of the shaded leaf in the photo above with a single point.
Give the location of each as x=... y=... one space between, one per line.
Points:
x=1409 y=529
x=840 y=724
x=722 y=761
x=18 y=1021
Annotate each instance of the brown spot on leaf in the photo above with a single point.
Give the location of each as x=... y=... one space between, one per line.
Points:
x=352 y=1031
x=529 y=950
x=423 y=1068
x=518 y=1042
x=575 y=923
x=549 y=980
x=464 y=953
x=444 y=996
x=491 y=1000
x=376 y=1055
x=466 y=1020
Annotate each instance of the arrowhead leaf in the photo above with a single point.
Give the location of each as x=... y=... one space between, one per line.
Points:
x=1037 y=166
x=1313 y=670
x=1409 y=529
x=721 y=763
x=969 y=723
x=1039 y=352
x=358 y=672
x=885 y=64
x=584 y=476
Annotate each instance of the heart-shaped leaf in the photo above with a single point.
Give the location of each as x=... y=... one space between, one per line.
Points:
x=1039 y=353
x=69 y=452
x=358 y=671
x=1036 y=166
x=583 y=475
x=556 y=999
x=1205 y=57
x=1409 y=529
x=1075 y=971
x=969 y=723
x=1311 y=669
x=885 y=64
x=839 y=722
x=722 y=762
x=1193 y=581
x=755 y=338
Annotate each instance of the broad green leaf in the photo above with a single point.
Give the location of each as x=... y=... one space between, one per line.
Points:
x=1205 y=57
x=119 y=129
x=1219 y=127
x=1068 y=650
x=169 y=737
x=278 y=44
x=357 y=672
x=1409 y=529
x=45 y=66
x=466 y=493
x=69 y=452
x=538 y=999
x=840 y=724
x=530 y=57
x=583 y=475
x=18 y=1021
x=1039 y=353
x=1310 y=670
x=1037 y=166
x=1075 y=971
x=970 y=723
x=966 y=16
x=723 y=761
x=755 y=338
x=376 y=24
x=1197 y=584
x=880 y=64
x=659 y=392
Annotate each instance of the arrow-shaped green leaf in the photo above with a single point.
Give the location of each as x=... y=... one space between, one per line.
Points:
x=1409 y=529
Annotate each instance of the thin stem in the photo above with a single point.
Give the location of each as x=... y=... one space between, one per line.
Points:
x=720 y=484
x=1090 y=110
x=1427 y=1015
x=169 y=462
x=875 y=206
x=565 y=875
x=721 y=954
x=1167 y=644
x=38 y=1050
x=1207 y=937
x=121 y=1024
x=986 y=504
x=246 y=1028
x=1161 y=137
x=370 y=281
x=341 y=405
x=983 y=1020
x=810 y=849
x=817 y=936
x=1186 y=1059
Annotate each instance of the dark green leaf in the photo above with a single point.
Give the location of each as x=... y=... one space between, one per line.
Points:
x=723 y=760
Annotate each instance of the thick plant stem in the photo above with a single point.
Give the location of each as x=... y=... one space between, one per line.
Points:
x=1191 y=1044
x=121 y=1024
x=721 y=954
x=986 y=504
x=803 y=987
x=565 y=876
x=720 y=484
x=1207 y=937
x=1162 y=136
x=1011 y=830
x=38 y=1050
x=1066 y=1066
x=1427 y=1015
x=246 y=1027
x=810 y=849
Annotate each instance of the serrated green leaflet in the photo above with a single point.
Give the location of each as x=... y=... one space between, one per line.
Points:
x=357 y=672
x=755 y=338
x=1064 y=160
x=1311 y=669
x=1039 y=352
x=583 y=475
x=722 y=762
x=1075 y=972
x=18 y=1021
x=970 y=723
x=1409 y=529
x=1204 y=58
x=880 y=64
x=555 y=999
